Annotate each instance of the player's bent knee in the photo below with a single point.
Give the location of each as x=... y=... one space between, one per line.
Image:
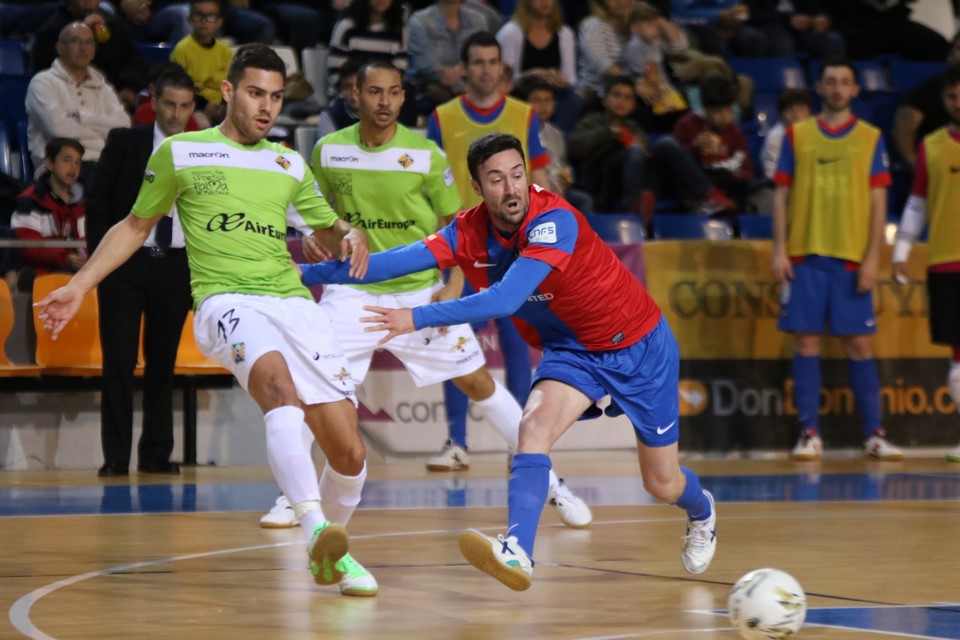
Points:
x=477 y=386
x=536 y=436
x=347 y=460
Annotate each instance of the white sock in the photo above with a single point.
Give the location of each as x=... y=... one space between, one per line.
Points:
x=292 y=466
x=503 y=412
x=340 y=494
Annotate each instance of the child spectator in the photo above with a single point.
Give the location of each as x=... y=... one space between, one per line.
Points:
x=793 y=105
x=204 y=57
x=343 y=110
x=50 y=208
x=542 y=96
x=715 y=141
x=651 y=37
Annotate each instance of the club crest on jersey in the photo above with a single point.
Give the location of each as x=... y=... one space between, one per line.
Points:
x=405 y=161
x=238 y=352
x=283 y=162
x=545 y=233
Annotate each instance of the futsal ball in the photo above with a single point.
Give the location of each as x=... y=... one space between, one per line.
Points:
x=767 y=604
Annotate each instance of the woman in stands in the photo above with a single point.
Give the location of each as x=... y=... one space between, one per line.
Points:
x=602 y=37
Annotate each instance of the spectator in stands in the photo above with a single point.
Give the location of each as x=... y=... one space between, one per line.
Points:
x=205 y=57
x=540 y=94
x=20 y=19
x=145 y=113
x=601 y=39
x=52 y=208
x=793 y=105
x=616 y=165
x=872 y=28
x=921 y=110
x=536 y=43
x=369 y=30
x=437 y=36
x=71 y=99
x=715 y=141
x=343 y=111
x=135 y=17
x=795 y=24
x=302 y=23
x=651 y=38
x=116 y=56
x=720 y=27
x=829 y=213
x=154 y=283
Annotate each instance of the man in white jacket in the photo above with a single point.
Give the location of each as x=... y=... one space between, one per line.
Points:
x=71 y=99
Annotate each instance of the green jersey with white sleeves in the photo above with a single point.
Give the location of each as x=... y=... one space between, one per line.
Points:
x=234 y=202
x=395 y=192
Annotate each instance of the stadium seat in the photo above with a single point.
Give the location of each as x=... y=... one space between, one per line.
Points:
x=77 y=349
x=905 y=74
x=315 y=71
x=771 y=74
x=690 y=226
x=155 y=53
x=26 y=161
x=6 y=162
x=304 y=139
x=755 y=227
x=13 y=95
x=11 y=58
x=617 y=227
x=10 y=369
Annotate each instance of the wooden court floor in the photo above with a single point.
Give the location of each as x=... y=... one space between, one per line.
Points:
x=876 y=547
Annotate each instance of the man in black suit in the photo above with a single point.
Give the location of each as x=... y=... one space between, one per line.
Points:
x=154 y=282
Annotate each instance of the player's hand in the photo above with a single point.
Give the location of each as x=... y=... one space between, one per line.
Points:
x=782 y=269
x=354 y=246
x=900 y=273
x=396 y=322
x=58 y=307
x=867 y=276
x=314 y=251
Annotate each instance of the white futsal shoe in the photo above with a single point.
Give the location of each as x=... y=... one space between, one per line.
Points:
x=500 y=557
x=700 y=543
x=280 y=516
x=356 y=580
x=452 y=457
x=573 y=511
x=809 y=448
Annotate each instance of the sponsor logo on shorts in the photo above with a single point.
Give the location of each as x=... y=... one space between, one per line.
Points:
x=663 y=430
x=467 y=359
x=545 y=233
x=341 y=376
x=461 y=344
x=238 y=352
x=441 y=332
x=405 y=161
x=316 y=356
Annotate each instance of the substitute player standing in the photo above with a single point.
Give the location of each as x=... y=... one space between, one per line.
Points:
x=396 y=184
x=532 y=256
x=830 y=207
x=936 y=192
x=232 y=189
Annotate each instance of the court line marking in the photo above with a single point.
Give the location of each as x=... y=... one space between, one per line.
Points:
x=845 y=628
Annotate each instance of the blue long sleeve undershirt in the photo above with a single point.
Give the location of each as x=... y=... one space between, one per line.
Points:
x=502 y=299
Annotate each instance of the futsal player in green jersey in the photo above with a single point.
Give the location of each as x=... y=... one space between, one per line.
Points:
x=233 y=189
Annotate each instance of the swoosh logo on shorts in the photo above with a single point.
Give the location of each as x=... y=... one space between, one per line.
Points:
x=663 y=430
x=482 y=265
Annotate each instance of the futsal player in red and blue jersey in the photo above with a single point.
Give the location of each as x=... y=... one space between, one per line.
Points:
x=830 y=208
x=532 y=256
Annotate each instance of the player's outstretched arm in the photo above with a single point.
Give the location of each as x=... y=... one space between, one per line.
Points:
x=341 y=240
x=381 y=266
x=117 y=246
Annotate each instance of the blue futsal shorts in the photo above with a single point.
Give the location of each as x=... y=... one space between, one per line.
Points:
x=824 y=293
x=642 y=379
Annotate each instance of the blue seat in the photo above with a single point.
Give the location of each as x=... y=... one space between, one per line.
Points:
x=155 y=53
x=617 y=227
x=13 y=94
x=756 y=227
x=6 y=163
x=11 y=58
x=690 y=226
x=771 y=74
x=26 y=161
x=905 y=74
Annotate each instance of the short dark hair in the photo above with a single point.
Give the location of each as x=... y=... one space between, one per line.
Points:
x=219 y=4
x=483 y=148
x=793 y=97
x=616 y=80
x=56 y=145
x=840 y=62
x=174 y=79
x=373 y=65
x=255 y=56
x=479 y=39
x=350 y=67
x=533 y=83
x=717 y=91
x=951 y=77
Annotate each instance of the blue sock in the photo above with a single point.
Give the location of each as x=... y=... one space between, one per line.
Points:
x=807 y=381
x=456 y=402
x=693 y=500
x=865 y=382
x=526 y=495
x=516 y=359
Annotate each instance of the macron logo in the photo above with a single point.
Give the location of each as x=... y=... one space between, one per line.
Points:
x=208 y=154
x=351 y=159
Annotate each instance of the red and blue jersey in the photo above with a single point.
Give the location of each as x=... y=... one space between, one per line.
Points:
x=587 y=301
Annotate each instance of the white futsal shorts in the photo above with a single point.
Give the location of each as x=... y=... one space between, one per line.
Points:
x=430 y=355
x=236 y=329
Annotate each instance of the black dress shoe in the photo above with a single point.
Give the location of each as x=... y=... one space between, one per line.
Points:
x=110 y=470
x=163 y=468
